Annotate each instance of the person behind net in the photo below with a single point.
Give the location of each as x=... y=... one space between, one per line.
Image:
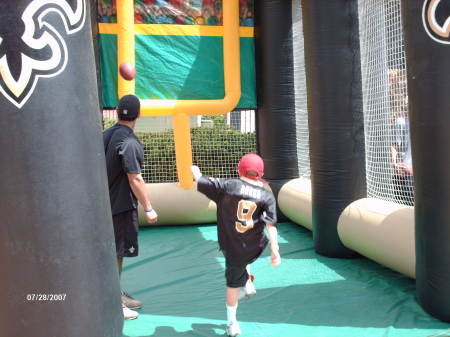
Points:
x=244 y=208
x=124 y=159
x=401 y=159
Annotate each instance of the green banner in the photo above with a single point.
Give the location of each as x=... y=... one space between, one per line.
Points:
x=178 y=67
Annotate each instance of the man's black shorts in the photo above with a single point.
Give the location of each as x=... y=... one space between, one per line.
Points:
x=126 y=228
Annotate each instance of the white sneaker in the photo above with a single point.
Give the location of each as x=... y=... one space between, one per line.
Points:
x=233 y=329
x=250 y=286
x=242 y=295
x=129 y=314
x=248 y=290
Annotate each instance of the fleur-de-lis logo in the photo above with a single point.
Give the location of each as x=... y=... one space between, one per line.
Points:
x=32 y=48
x=436 y=20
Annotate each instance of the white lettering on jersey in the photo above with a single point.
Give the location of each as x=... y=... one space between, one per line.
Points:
x=251 y=192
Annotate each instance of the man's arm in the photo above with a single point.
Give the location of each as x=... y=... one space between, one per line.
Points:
x=399 y=168
x=137 y=185
x=275 y=258
x=393 y=154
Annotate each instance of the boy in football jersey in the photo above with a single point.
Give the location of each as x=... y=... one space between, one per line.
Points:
x=244 y=208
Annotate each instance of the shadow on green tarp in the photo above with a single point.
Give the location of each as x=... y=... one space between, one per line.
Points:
x=179 y=275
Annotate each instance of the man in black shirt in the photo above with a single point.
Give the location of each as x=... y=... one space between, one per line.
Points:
x=124 y=159
x=244 y=208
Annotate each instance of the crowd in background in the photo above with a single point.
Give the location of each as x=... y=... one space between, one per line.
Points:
x=180 y=12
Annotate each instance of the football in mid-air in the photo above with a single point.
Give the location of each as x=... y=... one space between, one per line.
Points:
x=127 y=71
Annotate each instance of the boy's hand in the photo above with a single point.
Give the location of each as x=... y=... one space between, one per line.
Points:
x=196 y=173
x=275 y=258
x=151 y=217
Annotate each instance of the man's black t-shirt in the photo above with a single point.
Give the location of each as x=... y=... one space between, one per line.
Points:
x=243 y=209
x=124 y=154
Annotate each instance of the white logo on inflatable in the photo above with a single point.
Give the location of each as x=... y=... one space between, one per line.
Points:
x=437 y=31
x=38 y=35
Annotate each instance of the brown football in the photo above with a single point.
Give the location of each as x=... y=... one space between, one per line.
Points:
x=127 y=71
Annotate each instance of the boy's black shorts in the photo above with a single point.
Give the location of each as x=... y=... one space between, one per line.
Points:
x=126 y=228
x=236 y=274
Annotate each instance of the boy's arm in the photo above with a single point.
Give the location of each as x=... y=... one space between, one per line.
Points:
x=211 y=187
x=196 y=173
x=269 y=216
x=275 y=258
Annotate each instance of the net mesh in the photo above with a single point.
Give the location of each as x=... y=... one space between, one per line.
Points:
x=387 y=143
x=218 y=142
x=301 y=110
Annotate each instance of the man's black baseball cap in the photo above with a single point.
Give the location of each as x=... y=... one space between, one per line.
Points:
x=128 y=108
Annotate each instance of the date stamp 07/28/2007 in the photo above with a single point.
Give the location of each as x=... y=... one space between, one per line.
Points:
x=37 y=297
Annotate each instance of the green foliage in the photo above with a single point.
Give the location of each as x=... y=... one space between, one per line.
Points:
x=215 y=150
x=107 y=123
x=219 y=121
x=159 y=160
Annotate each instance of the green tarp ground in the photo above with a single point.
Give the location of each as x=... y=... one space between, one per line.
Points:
x=179 y=275
x=177 y=67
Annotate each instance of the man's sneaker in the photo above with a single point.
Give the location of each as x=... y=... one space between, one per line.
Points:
x=129 y=314
x=248 y=290
x=130 y=302
x=233 y=329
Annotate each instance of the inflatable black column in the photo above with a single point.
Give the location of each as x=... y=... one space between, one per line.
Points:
x=96 y=45
x=428 y=64
x=58 y=271
x=336 y=129
x=275 y=85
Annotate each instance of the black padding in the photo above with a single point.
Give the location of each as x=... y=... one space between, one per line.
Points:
x=58 y=272
x=428 y=60
x=336 y=128
x=275 y=118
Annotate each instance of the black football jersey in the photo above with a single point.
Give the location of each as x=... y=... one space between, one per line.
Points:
x=243 y=209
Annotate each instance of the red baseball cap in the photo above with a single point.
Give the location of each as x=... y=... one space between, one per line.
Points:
x=251 y=162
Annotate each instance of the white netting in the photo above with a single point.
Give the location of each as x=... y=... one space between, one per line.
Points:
x=385 y=99
x=218 y=142
x=301 y=110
